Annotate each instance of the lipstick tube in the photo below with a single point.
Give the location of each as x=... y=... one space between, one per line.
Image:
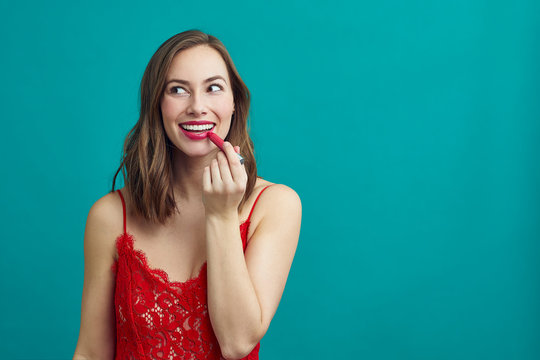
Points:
x=219 y=143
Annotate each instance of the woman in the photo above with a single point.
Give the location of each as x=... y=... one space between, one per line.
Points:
x=171 y=272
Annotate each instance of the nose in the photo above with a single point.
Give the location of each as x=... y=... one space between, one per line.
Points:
x=196 y=107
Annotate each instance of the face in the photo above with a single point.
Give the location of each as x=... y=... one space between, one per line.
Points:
x=197 y=89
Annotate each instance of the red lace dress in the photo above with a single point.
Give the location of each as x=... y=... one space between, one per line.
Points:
x=160 y=319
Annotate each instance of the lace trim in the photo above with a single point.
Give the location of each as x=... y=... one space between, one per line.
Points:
x=163 y=319
x=127 y=240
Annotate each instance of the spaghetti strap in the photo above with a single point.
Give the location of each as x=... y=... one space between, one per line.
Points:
x=257 y=199
x=123 y=208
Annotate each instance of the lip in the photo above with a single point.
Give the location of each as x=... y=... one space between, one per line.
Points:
x=200 y=122
x=195 y=136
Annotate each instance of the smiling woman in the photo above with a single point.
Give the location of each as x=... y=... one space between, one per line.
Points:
x=211 y=100
x=188 y=71
x=171 y=271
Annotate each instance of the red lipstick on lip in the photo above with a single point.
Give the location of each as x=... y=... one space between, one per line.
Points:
x=219 y=143
x=200 y=122
x=196 y=136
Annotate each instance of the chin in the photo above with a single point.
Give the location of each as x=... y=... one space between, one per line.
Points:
x=195 y=153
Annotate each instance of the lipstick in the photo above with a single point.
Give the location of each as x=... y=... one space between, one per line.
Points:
x=195 y=135
x=219 y=143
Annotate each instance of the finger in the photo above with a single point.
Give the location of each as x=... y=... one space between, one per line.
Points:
x=207 y=181
x=224 y=170
x=237 y=150
x=237 y=170
x=231 y=153
x=216 y=176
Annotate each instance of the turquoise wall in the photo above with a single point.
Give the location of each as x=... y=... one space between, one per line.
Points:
x=410 y=129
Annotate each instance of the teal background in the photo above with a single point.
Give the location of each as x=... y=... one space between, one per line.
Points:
x=410 y=130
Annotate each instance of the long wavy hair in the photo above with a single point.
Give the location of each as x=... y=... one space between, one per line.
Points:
x=146 y=161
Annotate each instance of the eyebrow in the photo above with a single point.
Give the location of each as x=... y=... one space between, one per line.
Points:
x=206 y=81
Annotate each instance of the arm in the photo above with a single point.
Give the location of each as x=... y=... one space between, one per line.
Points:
x=244 y=292
x=97 y=337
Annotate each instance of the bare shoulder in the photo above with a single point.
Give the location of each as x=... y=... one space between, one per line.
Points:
x=103 y=225
x=279 y=195
x=277 y=201
x=107 y=212
x=284 y=200
x=105 y=222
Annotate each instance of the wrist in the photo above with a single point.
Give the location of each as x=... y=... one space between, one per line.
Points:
x=223 y=216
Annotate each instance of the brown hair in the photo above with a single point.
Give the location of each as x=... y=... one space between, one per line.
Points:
x=146 y=161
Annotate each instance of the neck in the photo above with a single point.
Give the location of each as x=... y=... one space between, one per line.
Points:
x=187 y=175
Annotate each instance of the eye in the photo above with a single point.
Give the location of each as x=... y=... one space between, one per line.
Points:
x=215 y=87
x=178 y=90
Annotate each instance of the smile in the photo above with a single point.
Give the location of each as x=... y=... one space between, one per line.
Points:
x=196 y=132
x=196 y=128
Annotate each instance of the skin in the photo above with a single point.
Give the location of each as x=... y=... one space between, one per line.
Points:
x=244 y=289
x=198 y=100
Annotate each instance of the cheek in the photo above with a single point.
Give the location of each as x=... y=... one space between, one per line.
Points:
x=168 y=109
x=226 y=109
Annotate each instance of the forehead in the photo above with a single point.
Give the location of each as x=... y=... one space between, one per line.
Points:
x=197 y=64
